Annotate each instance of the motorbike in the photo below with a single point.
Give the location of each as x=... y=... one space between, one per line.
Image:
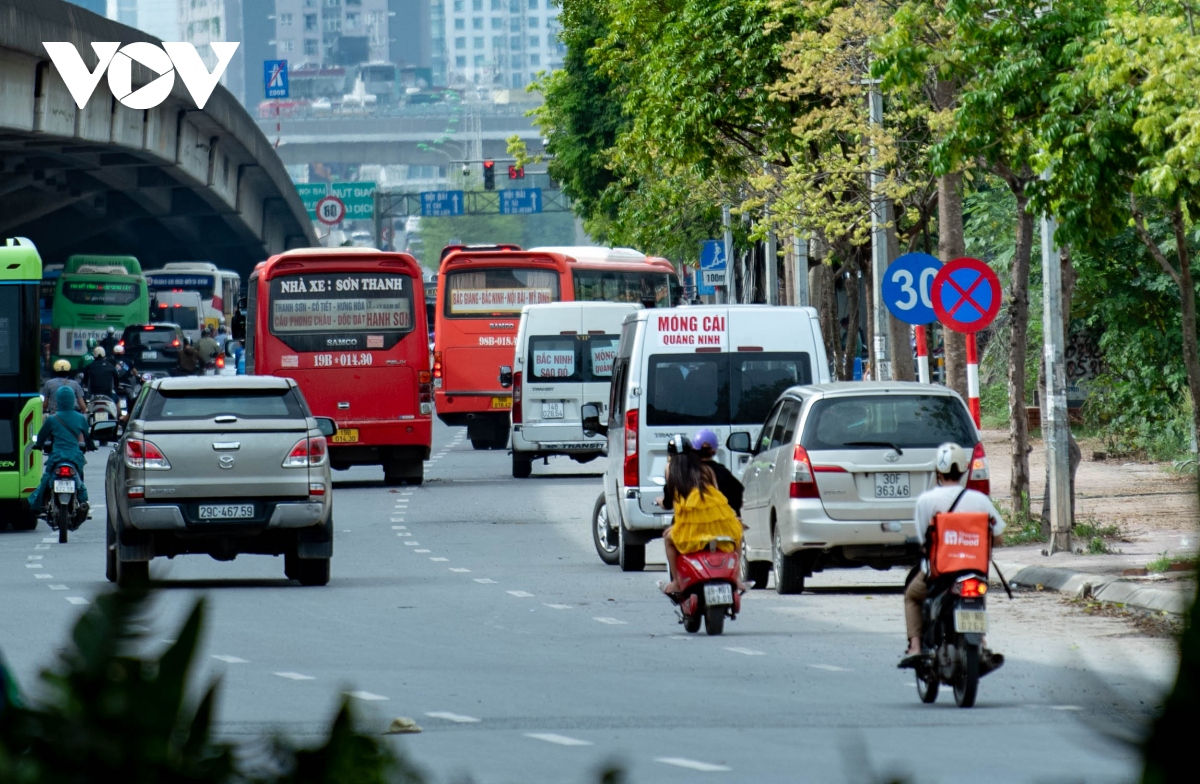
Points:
x=707 y=588
x=954 y=622
x=102 y=408
x=63 y=511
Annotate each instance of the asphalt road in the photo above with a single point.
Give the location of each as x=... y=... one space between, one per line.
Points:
x=476 y=605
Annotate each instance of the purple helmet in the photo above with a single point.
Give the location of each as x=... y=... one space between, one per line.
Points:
x=705 y=438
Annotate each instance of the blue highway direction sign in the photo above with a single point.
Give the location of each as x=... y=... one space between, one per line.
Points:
x=441 y=204
x=520 y=201
x=275 y=78
x=907 y=284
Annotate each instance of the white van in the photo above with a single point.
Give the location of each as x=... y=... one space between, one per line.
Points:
x=185 y=308
x=564 y=359
x=678 y=370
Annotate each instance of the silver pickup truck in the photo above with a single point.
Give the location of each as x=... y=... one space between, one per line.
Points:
x=220 y=466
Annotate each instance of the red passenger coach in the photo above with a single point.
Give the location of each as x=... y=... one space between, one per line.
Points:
x=349 y=325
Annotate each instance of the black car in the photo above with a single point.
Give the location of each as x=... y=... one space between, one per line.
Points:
x=153 y=348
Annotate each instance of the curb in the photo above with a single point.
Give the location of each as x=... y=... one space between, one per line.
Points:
x=1103 y=587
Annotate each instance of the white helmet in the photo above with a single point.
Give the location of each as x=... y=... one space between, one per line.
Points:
x=952 y=456
x=118 y=349
x=98 y=352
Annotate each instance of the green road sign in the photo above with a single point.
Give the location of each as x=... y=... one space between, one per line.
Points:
x=359 y=197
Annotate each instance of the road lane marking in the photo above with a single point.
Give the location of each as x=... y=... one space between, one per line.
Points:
x=77 y=600
x=399 y=527
x=403 y=533
x=828 y=667
x=229 y=659
x=366 y=695
x=44 y=576
x=57 y=587
x=457 y=718
x=613 y=621
x=459 y=569
x=746 y=651
x=561 y=740
x=422 y=551
x=520 y=594
x=557 y=606
x=36 y=557
x=50 y=540
x=413 y=544
x=683 y=762
x=440 y=560
x=1065 y=707
x=485 y=581
x=295 y=676
x=35 y=566
x=41 y=547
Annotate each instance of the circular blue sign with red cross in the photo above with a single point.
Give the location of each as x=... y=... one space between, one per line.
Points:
x=966 y=295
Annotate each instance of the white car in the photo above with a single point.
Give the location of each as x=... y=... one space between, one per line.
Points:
x=835 y=472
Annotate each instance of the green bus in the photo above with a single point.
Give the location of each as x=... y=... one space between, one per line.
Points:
x=20 y=380
x=92 y=294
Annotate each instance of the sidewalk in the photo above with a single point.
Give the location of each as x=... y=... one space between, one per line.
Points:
x=1157 y=513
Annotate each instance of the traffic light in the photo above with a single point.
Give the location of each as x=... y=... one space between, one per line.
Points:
x=489 y=175
x=516 y=172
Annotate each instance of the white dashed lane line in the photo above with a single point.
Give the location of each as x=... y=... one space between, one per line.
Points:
x=422 y=551
x=295 y=676
x=611 y=621
x=413 y=544
x=36 y=557
x=520 y=594
x=457 y=718
x=561 y=740
x=50 y=540
x=77 y=600
x=44 y=576
x=440 y=560
x=41 y=547
x=746 y=651
x=35 y=566
x=459 y=569
x=690 y=764
x=57 y=587
x=828 y=667
x=403 y=533
x=366 y=695
x=485 y=581
x=229 y=659
x=399 y=527
x=557 y=606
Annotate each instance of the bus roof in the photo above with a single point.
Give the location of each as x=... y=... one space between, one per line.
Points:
x=20 y=260
x=591 y=253
x=299 y=257
x=85 y=264
x=207 y=266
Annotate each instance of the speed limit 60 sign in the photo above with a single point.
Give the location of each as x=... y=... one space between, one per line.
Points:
x=331 y=210
x=906 y=287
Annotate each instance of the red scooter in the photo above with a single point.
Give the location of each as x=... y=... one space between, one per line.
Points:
x=707 y=588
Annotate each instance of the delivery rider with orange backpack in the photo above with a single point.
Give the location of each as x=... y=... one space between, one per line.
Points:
x=949 y=495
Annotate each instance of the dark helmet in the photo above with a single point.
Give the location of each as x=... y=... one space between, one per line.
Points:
x=678 y=445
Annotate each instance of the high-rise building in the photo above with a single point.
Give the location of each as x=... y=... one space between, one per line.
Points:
x=123 y=11
x=498 y=43
x=326 y=33
x=409 y=30
x=159 y=18
x=95 y=6
x=204 y=21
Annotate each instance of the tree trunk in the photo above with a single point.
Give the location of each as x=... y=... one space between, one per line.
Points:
x=869 y=281
x=824 y=298
x=898 y=332
x=850 y=350
x=1018 y=310
x=952 y=246
x=1187 y=292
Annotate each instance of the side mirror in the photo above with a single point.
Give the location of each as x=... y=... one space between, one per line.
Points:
x=104 y=432
x=327 y=426
x=591 y=420
x=506 y=376
x=738 y=442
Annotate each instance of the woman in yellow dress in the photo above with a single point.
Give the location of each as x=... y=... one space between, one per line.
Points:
x=702 y=513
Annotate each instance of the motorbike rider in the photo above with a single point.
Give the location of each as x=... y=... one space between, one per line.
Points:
x=705 y=442
x=109 y=340
x=222 y=337
x=127 y=375
x=66 y=434
x=702 y=512
x=189 y=360
x=952 y=463
x=208 y=346
x=88 y=356
x=100 y=377
x=62 y=378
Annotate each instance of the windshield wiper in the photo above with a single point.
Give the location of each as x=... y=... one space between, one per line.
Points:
x=897 y=449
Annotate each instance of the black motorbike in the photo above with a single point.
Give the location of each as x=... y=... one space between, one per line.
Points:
x=954 y=622
x=64 y=512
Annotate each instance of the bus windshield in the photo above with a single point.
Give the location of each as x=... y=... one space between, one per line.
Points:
x=352 y=309
x=593 y=285
x=204 y=283
x=476 y=293
x=97 y=292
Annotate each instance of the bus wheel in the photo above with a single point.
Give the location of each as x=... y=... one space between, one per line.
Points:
x=480 y=444
x=21 y=518
x=500 y=440
x=399 y=472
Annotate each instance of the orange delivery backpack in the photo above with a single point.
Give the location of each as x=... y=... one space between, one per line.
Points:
x=959 y=542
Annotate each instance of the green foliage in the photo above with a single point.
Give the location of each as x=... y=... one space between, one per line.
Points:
x=1020 y=527
x=1160 y=564
x=528 y=231
x=108 y=714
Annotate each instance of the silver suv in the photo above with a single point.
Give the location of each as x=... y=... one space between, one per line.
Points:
x=220 y=466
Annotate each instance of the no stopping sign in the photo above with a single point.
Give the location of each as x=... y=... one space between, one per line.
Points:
x=966 y=295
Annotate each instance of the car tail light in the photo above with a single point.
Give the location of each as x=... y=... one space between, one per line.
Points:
x=145 y=455
x=121 y=343
x=804 y=480
x=316 y=488
x=518 y=415
x=971 y=587
x=65 y=470
x=175 y=343
x=631 y=448
x=978 y=478
x=137 y=491
x=308 y=452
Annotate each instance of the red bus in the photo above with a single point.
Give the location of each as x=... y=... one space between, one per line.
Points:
x=480 y=296
x=348 y=324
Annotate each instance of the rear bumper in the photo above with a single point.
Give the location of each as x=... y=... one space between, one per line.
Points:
x=474 y=403
x=526 y=438
x=804 y=525
x=634 y=519
x=281 y=514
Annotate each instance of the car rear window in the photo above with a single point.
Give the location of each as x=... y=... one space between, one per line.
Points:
x=914 y=421
x=572 y=357
x=149 y=338
x=715 y=389
x=181 y=404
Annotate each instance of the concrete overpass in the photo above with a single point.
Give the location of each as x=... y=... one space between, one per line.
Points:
x=397 y=138
x=163 y=184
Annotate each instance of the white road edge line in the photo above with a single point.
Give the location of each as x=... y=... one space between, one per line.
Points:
x=365 y=695
x=457 y=718
x=561 y=740
x=683 y=762
x=295 y=676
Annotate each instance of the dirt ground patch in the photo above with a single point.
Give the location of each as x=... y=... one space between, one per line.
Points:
x=1140 y=497
x=1151 y=624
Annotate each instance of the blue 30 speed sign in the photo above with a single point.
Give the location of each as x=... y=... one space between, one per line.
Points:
x=906 y=287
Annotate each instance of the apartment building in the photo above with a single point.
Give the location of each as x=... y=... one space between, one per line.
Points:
x=323 y=33
x=495 y=43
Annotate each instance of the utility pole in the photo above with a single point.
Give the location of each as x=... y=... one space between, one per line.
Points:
x=772 y=269
x=880 y=215
x=800 y=251
x=730 y=278
x=1055 y=427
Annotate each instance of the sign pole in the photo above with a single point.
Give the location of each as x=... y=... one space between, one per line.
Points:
x=922 y=355
x=800 y=251
x=730 y=294
x=973 y=379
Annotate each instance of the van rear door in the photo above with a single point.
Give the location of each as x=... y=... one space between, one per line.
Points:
x=555 y=367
